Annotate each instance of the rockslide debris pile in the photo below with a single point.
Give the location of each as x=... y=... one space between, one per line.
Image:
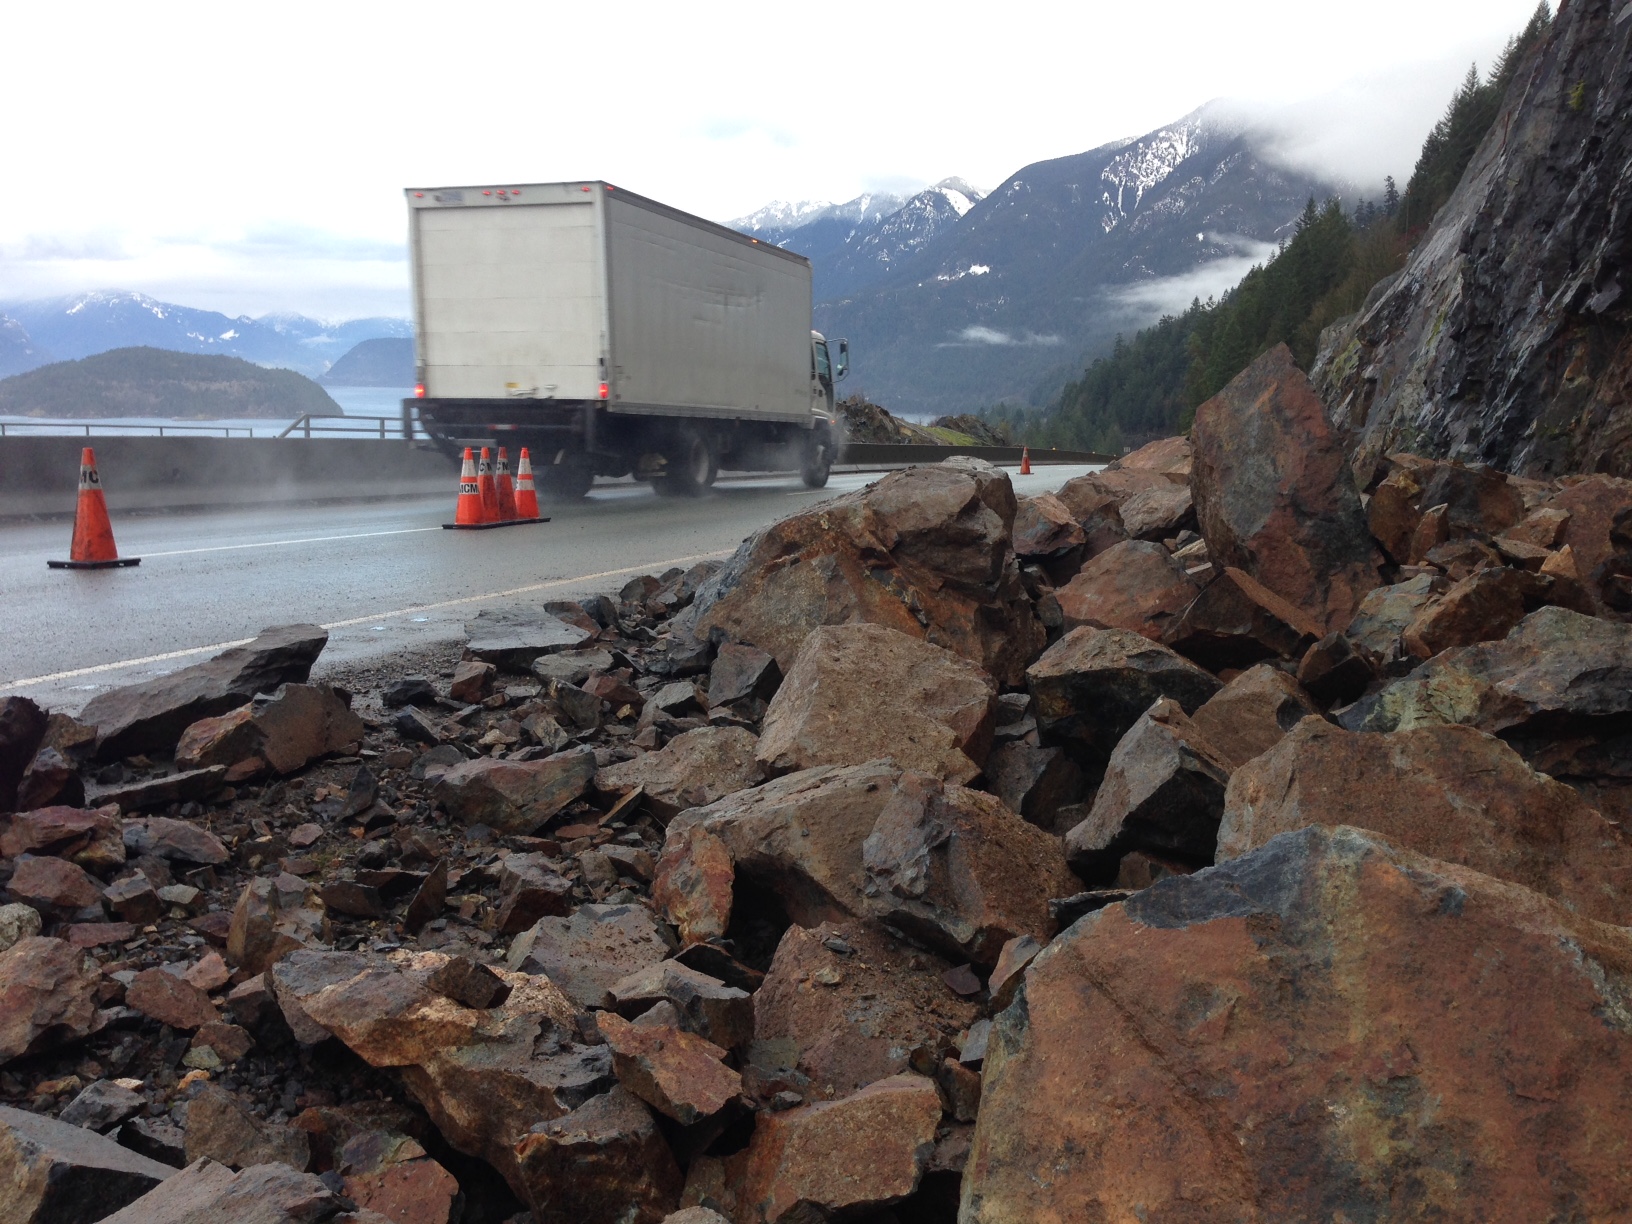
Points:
x=1208 y=840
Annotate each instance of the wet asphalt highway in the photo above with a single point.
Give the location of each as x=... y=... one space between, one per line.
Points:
x=382 y=576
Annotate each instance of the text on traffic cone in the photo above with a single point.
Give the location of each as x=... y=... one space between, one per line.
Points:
x=468 y=512
x=489 y=490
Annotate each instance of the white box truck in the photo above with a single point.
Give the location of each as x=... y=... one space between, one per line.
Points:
x=613 y=335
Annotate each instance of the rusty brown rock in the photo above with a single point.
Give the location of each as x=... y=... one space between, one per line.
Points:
x=51 y=778
x=694 y=885
x=1395 y=508
x=514 y=797
x=679 y=1074
x=742 y=674
x=169 y=999
x=47 y=996
x=531 y=888
x=1010 y=970
x=55 y=886
x=1045 y=527
x=1274 y=496
x=1133 y=585
x=472 y=680
x=404 y=1189
x=845 y=1005
x=867 y=1150
x=1386 y=613
x=1095 y=507
x=221 y=1127
x=1452 y=793
x=926 y=551
x=1163 y=792
x=176 y=841
x=1330 y=998
x=957 y=870
x=1334 y=671
x=1483 y=607
x=694 y=769
x=1543 y=527
x=1252 y=712
x=1159 y=512
x=484 y=1076
x=1237 y=621
x=1167 y=457
x=603 y=1163
x=226 y=739
x=1093 y=684
x=928 y=709
x=592 y=950
x=91 y=837
x=272 y=919
x=704 y=1005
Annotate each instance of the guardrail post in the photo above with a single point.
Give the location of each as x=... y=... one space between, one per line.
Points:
x=308 y=426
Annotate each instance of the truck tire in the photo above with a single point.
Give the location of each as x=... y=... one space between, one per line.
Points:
x=816 y=455
x=692 y=465
x=564 y=482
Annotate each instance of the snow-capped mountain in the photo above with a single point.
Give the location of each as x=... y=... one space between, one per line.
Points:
x=1043 y=273
x=66 y=328
x=18 y=352
x=874 y=252
x=783 y=216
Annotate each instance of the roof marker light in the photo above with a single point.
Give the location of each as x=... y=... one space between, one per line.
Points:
x=583 y=189
x=419 y=195
x=487 y=193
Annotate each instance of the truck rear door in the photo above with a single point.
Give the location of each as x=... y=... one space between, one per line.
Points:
x=509 y=292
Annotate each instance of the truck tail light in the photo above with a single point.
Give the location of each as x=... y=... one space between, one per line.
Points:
x=419 y=390
x=604 y=390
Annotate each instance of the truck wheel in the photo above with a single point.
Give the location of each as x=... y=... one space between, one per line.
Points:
x=816 y=458
x=692 y=466
x=564 y=482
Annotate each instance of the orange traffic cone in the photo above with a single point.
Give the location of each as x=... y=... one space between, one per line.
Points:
x=526 y=495
x=490 y=492
x=506 y=490
x=1025 y=461
x=92 y=546
x=468 y=511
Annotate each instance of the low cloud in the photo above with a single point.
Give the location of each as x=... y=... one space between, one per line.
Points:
x=971 y=336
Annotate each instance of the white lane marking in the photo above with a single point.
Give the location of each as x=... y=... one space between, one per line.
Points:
x=376 y=616
x=361 y=535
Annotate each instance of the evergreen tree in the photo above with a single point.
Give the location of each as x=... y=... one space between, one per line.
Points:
x=1391 y=196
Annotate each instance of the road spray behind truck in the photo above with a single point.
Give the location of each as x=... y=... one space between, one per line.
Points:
x=613 y=335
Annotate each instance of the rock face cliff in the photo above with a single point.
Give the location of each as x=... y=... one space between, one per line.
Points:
x=1506 y=337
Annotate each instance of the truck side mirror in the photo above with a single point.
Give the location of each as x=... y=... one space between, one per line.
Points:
x=841 y=363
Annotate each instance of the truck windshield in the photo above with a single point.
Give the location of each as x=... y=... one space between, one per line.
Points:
x=824 y=367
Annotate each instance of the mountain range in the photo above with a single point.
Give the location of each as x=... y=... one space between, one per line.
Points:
x=955 y=300
x=64 y=329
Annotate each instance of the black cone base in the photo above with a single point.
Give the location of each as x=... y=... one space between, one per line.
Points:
x=116 y=563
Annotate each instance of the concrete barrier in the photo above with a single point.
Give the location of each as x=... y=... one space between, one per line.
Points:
x=40 y=476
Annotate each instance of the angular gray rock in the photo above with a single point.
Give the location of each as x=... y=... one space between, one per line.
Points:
x=208 y=1193
x=1163 y=792
x=150 y=716
x=511 y=641
x=592 y=950
x=55 y=1173
x=514 y=796
x=695 y=768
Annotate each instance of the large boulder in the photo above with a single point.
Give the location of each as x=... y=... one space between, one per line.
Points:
x=1044 y=527
x=1237 y=621
x=1274 y=496
x=208 y=1193
x=514 y=796
x=1452 y=793
x=958 y=871
x=1163 y=793
x=1169 y=458
x=1328 y=1026
x=1250 y=714
x=1093 y=684
x=47 y=996
x=485 y=1075
x=1597 y=533
x=1556 y=670
x=1385 y=614
x=927 y=551
x=953 y=866
x=54 y=1173
x=844 y=1005
x=926 y=708
x=590 y=951
x=283 y=731
x=1159 y=512
x=695 y=768
x=603 y=1163
x=820 y=1161
x=1133 y=585
x=150 y=716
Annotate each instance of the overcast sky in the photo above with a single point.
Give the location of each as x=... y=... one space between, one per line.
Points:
x=250 y=158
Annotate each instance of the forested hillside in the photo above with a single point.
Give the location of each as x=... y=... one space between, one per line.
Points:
x=1150 y=386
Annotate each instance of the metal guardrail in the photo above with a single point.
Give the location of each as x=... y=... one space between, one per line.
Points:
x=869 y=453
x=305 y=425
